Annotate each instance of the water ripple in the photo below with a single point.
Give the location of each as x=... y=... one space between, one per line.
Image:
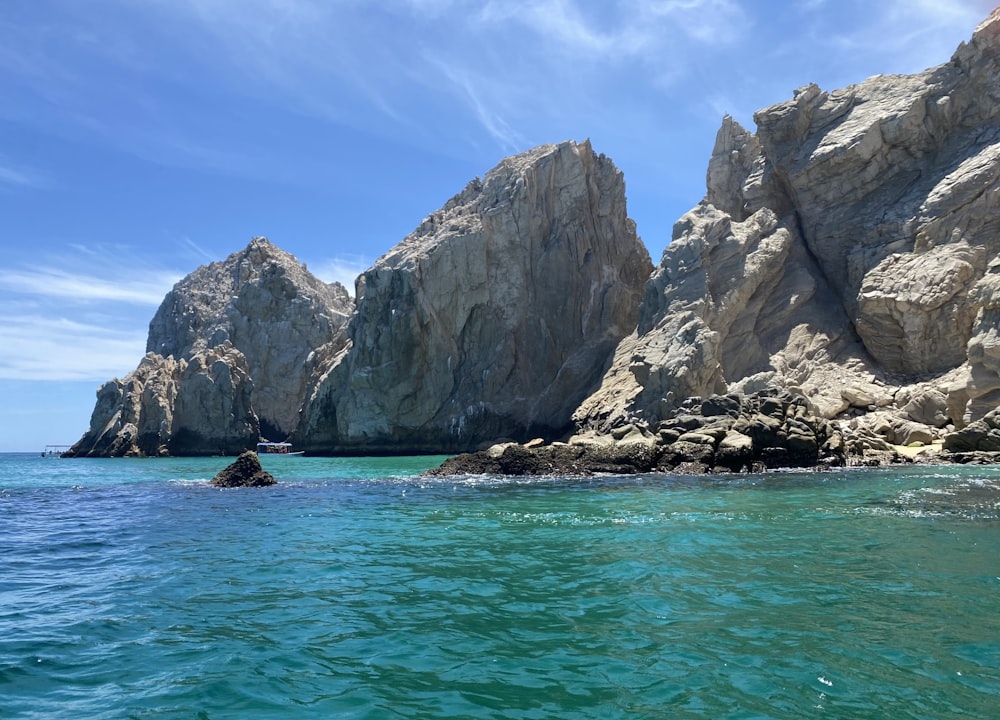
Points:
x=776 y=596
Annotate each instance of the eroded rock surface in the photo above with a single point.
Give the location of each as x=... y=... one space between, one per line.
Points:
x=270 y=308
x=232 y=351
x=730 y=433
x=246 y=471
x=493 y=319
x=846 y=252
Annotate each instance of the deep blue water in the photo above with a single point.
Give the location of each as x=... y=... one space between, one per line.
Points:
x=356 y=589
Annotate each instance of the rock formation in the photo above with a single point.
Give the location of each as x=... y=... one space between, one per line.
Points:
x=844 y=264
x=493 y=319
x=230 y=355
x=271 y=309
x=848 y=252
x=244 y=472
x=730 y=433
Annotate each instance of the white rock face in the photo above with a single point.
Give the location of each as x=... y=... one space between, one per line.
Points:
x=845 y=251
x=231 y=353
x=271 y=308
x=165 y=406
x=493 y=319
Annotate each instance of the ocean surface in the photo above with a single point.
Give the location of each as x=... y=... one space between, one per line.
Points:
x=357 y=589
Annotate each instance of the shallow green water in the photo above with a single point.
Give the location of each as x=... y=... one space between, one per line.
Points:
x=355 y=589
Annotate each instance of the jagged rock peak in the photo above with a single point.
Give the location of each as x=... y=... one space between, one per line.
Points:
x=464 y=213
x=232 y=352
x=196 y=311
x=271 y=308
x=847 y=250
x=493 y=318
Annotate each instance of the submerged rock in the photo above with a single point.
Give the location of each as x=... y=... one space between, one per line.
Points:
x=246 y=471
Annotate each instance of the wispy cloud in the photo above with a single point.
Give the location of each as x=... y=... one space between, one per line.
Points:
x=43 y=347
x=17 y=176
x=196 y=249
x=489 y=114
x=343 y=269
x=81 y=288
x=64 y=324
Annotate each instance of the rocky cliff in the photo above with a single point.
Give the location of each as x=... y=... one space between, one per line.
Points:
x=493 y=319
x=847 y=251
x=230 y=355
x=844 y=264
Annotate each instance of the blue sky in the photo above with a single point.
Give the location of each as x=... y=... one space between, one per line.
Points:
x=140 y=139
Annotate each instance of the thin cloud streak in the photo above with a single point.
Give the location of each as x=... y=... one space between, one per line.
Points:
x=62 y=285
x=10 y=175
x=35 y=347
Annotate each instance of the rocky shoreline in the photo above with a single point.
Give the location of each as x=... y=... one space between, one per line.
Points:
x=732 y=433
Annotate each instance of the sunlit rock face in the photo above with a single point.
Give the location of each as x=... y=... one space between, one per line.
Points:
x=847 y=251
x=494 y=318
x=231 y=354
x=270 y=308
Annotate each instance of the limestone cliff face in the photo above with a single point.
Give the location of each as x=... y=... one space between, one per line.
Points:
x=230 y=355
x=493 y=319
x=848 y=251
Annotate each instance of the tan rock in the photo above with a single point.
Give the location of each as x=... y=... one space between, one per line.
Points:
x=494 y=318
x=847 y=249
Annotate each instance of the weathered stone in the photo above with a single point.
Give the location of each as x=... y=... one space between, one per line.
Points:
x=267 y=305
x=200 y=406
x=798 y=440
x=735 y=451
x=494 y=318
x=697 y=439
x=978 y=436
x=802 y=448
x=854 y=237
x=721 y=405
x=907 y=432
x=246 y=471
x=929 y=407
x=232 y=351
x=865 y=396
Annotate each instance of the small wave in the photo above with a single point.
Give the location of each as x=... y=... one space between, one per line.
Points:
x=973 y=498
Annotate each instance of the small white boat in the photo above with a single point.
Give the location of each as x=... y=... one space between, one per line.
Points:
x=55 y=450
x=276 y=448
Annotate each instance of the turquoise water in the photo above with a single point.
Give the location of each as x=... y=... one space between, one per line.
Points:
x=355 y=589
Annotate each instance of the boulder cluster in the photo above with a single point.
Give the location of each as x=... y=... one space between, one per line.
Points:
x=721 y=433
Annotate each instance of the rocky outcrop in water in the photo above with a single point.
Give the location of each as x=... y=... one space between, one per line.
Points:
x=493 y=319
x=722 y=433
x=846 y=252
x=230 y=355
x=846 y=255
x=246 y=471
x=270 y=308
